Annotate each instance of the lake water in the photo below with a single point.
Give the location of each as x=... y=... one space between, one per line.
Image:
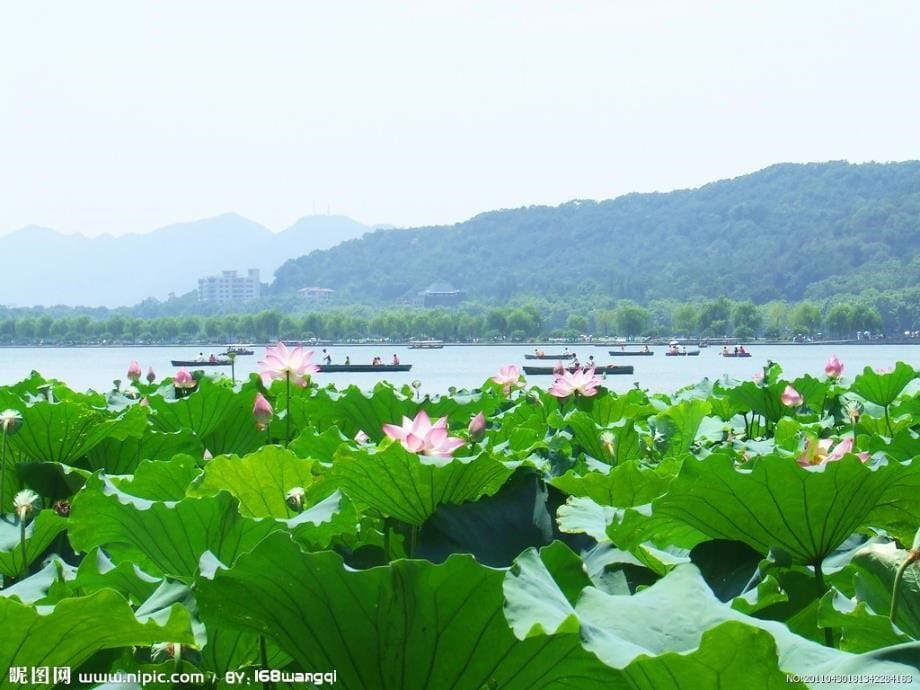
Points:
x=459 y=366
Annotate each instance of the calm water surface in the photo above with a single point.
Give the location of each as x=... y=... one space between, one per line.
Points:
x=458 y=366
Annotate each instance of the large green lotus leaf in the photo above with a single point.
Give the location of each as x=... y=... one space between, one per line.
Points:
x=625 y=485
x=778 y=504
x=237 y=433
x=259 y=480
x=494 y=529
x=76 y=629
x=883 y=389
x=582 y=515
x=588 y=434
x=813 y=390
x=97 y=572
x=607 y=407
x=167 y=538
x=35 y=588
x=122 y=456
x=680 y=424
x=161 y=480
x=408 y=625
x=40 y=532
x=410 y=487
x=903 y=445
x=671 y=618
x=857 y=628
x=203 y=411
x=65 y=431
x=875 y=567
x=320 y=524
x=352 y=410
x=763 y=400
x=319 y=446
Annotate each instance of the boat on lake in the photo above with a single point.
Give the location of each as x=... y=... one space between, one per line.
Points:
x=426 y=344
x=735 y=354
x=337 y=368
x=237 y=350
x=201 y=363
x=630 y=353
x=676 y=353
x=540 y=355
x=608 y=369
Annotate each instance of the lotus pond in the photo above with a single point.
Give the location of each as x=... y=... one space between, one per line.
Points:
x=736 y=534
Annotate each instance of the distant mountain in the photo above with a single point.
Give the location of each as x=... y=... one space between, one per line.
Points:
x=43 y=267
x=786 y=232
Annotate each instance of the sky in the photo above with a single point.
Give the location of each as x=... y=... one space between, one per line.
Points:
x=122 y=117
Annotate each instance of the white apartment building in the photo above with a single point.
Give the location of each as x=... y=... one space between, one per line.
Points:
x=229 y=287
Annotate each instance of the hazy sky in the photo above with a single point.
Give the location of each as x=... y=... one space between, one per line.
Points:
x=120 y=116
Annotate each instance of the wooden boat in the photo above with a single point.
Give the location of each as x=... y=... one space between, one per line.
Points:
x=672 y=353
x=630 y=353
x=735 y=354
x=335 y=368
x=426 y=344
x=198 y=363
x=565 y=355
x=608 y=369
x=238 y=350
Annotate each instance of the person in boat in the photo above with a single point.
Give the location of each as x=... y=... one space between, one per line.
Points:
x=395 y=359
x=645 y=349
x=327 y=358
x=576 y=365
x=741 y=350
x=725 y=349
x=212 y=358
x=558 y=368
x=683 y=349
x=347 y=360
x=736 y=349
x=376 y=362
x=590 y=363
x=200 y=357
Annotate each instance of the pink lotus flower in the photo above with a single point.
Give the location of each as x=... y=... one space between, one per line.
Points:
x=151 y=375
x=361 y=437
x=583 y=382
x=508 y=377
x=134 y=370
x=791 y=397
x=833 y=367
x=183 y=379
x=477 y=427
x=819 y=452
x=262 y=411
x=419 y=435
x=281 y=363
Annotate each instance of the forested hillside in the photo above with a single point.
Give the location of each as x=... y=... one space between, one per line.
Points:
x=787 y=232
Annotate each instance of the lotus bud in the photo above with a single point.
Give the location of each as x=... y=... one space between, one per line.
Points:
x=607 y=443
x=134 y=370
x=26 y=503
x=791 y=397
x=477 y=428
x=361 y=437
x=295 y=498
x=854 y=410
x=151 y=375
x=262 y=411
x=183 y=379
x=834 y=367
x=10 y=421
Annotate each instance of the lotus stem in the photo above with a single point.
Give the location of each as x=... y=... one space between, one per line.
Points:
x=22 y=543
x=888 y=421
x=287 y=409
x=912 y=557
x=413 y=540
x=822 y=590
x=263 y=656
x=2 y=470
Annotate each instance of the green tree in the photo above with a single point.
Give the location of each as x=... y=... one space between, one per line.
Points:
x=714 y=317
x=685 y=319
x=805 y=318
x=746 y=319
x=839 y=320
x=631 y=318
